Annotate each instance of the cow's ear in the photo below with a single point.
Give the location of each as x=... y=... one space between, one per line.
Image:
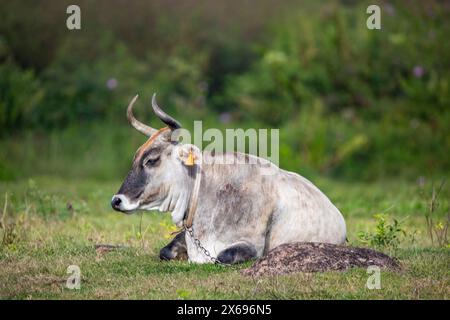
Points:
x=189 y=154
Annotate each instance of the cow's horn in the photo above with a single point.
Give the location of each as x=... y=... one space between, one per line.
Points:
x=139 y=126
x=171 y=122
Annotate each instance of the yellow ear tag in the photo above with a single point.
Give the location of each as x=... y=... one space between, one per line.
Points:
x=190 y=159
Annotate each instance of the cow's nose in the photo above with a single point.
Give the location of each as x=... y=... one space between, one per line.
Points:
x=115 y=203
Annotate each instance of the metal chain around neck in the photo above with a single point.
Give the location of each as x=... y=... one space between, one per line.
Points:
x=205 y=251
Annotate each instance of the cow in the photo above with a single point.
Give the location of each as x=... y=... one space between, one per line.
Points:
x=229 y=212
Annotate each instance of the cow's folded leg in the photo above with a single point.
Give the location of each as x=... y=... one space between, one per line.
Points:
x=176 y=249
x=237 y=253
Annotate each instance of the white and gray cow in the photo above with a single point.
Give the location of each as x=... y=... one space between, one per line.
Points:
x=242 y=211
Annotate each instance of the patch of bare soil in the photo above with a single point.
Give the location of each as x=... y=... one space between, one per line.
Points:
x=318 y=257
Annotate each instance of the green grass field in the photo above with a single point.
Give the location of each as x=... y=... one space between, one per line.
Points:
x=49 y=224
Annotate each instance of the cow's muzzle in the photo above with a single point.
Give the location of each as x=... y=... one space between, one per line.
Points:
x=116 y=202
x=120 y=202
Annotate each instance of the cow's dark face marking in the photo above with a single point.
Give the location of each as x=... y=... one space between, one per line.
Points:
x=134 y=183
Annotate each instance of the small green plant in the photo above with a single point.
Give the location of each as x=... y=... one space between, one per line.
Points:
x=387 y=235
x=7 y=231
x=10 y=227
x=183 y=294
x=436 y=229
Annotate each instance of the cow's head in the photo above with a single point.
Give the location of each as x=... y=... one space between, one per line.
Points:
x=160 y=177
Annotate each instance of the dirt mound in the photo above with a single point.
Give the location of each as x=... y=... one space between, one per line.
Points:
x=318 y=257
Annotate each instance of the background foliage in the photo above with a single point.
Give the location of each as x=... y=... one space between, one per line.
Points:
x=350 y=102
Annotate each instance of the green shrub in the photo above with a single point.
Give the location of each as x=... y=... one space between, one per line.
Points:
x=387 y=236
x=348 y=101
x=20 y=95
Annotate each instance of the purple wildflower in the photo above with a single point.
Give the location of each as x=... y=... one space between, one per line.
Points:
x=418 y=71
x=111 y=84
x=390 y=9
x=225 y=117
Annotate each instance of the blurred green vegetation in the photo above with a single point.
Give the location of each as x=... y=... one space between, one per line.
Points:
x=349 y=102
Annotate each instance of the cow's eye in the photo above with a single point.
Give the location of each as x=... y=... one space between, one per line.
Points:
x=151 y=161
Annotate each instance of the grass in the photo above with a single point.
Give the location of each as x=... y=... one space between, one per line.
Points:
x=53 y=223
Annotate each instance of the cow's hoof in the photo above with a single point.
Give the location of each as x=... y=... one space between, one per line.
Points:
x=176 y=249
x=166 y=254
x=237 y=253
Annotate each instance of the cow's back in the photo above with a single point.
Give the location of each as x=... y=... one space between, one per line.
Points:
x=303 y=213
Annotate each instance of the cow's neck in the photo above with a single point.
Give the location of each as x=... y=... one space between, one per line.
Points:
x=189 y=218
x=186 y=204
